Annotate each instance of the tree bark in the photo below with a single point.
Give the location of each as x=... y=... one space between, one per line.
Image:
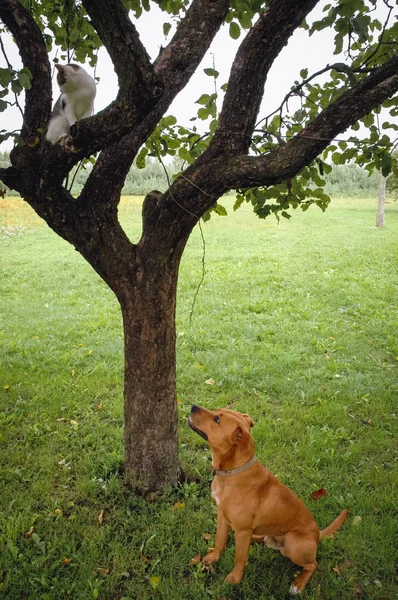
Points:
x=150 y=406
x=382 y=198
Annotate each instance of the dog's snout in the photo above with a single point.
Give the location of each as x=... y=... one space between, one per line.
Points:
x=195 y=408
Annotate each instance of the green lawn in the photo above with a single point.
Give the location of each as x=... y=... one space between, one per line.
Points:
x=296 y=324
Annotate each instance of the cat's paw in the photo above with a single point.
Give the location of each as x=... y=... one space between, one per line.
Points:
x=66 y=142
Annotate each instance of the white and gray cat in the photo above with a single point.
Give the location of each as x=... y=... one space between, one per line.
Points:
x=75 y=102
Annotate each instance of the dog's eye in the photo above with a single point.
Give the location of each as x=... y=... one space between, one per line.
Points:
x=216 y=419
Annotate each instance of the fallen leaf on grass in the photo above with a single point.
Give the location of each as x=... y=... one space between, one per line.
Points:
x=57 y=512
x=195 y=560
x=319 y=494
x=29 y=533
x=177 y=506
x=66 y=561
x=210 y=381
x=101 y=571
x=342 y=567
x=99 y=406
x=357 y=520
x=347 y=564
x=358 y=590
x=101 y=517
x=144 y=559
x=207 y=536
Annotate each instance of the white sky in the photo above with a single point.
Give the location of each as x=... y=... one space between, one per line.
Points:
x=301 y=52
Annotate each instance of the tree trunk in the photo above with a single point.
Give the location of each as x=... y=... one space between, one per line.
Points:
x=150 y=406
x=382 y=198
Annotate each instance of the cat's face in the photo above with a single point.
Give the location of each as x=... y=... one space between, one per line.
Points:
x=69 y=76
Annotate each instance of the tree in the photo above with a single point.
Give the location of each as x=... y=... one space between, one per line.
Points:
x=382 y=199
x=274 y=163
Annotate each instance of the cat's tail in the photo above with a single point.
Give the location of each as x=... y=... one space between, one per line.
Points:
x=337 y=523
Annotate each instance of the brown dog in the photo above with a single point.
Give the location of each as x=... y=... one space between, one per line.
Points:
x=252 y=501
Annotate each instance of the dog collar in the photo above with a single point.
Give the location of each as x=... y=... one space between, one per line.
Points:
x=237 y=469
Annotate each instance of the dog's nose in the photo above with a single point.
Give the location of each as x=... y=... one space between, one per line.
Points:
x=195 y=408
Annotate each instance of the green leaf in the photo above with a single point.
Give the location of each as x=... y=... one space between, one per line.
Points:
x=6 y=76
x=140 y=160
x=211 y=72
x=3 y=105
x=24 y=78
x=16 y=87
x=220 y=210
x=239 y=201
x=204 y=99
x=368 y=120
x=166 y=29
x=386 y=164
x=169 y=121
x=245 y=20
x=234 y=30
x=203 y=113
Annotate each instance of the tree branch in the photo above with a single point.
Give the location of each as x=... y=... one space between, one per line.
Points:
x=215 y=176
x=174 y=66
x=178 y=61
x=130 y=59
x=34 y=56
x=173 y=69
x=249 y=72
x=286 y=161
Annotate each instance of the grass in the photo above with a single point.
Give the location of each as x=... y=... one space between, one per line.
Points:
x=295 y=324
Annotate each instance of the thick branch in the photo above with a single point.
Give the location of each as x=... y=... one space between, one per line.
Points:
x=130 y=59
x=202 y=183
x=249 y=71
x=174 y=66
x=178 y=61
x=136 y=111
x=34 y=56
x=286 y=161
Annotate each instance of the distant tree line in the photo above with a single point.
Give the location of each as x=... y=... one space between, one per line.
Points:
x=345 y=180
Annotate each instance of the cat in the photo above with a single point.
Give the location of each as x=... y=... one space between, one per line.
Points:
x=75 y=102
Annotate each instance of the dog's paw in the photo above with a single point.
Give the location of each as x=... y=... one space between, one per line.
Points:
x=211 y=557
x=233 y=578
x=294 y=589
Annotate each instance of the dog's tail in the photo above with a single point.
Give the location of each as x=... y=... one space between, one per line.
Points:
x=337 y=523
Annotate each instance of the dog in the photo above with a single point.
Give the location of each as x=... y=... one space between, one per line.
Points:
x=252 y=501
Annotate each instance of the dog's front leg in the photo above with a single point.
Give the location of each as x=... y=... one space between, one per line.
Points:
x=221 y=539
x=242 y=542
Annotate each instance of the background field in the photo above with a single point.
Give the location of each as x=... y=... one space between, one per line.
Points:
x=295 y=324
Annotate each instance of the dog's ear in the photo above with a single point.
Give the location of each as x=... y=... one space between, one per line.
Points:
x=249 y=420
x=237 y=435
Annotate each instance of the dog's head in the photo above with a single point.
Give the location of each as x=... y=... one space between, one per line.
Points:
x=226 y=431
